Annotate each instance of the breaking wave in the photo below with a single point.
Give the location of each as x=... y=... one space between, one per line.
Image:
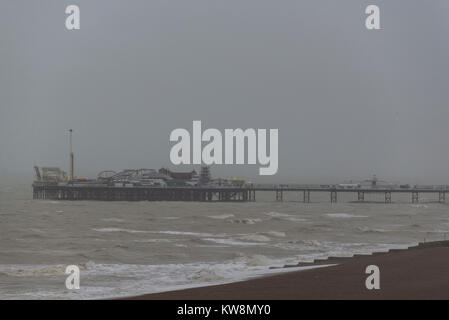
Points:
x=119 y=230
x=222 y=216
x=344 y=215
x=205 y=275
x=278 y=234
x=284 y=216
x=255 y=237
x=30 y=271
x=371 y=230
x=232 y=242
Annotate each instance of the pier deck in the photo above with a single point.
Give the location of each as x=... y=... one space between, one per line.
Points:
x=209 y=194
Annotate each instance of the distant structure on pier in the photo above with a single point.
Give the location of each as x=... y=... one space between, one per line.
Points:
x=179 y=175
x=49 y=174
x=372 y=183
x=205 y=176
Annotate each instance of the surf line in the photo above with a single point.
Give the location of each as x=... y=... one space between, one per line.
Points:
x=212 y=153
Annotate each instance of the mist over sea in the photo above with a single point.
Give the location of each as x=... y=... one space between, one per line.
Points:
x=130 y=248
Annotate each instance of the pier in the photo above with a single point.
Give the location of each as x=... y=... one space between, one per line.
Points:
x=113 y=193
x=165 y=185
x=359 y=193
x=245 y=193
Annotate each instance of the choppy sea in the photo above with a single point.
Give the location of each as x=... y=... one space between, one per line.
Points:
x=130 y=248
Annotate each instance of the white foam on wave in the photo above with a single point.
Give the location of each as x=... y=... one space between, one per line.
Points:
x=284 y=216
x=27 y=271
x=205 y=275
x=132 y=279
x=222 y=216
x=255 y=237
x=257 y=260
x=211 y=246
x=168 y=232
x=344 y=215
x=278 y=234
x=185 y=233
x=38 y=270
x=372 y=230
x=155 y=240
x=232 y=242
x=119 y=230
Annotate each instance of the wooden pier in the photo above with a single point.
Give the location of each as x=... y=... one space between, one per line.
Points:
x=211 y=194
x=109 y=193
x=333 y=192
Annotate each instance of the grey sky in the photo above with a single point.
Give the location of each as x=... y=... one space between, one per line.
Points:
x=348 y=102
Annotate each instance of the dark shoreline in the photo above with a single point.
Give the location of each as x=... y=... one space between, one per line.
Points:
x=419 y=272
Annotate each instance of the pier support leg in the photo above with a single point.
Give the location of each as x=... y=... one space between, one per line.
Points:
x=252 y=195
x=387 y=197
x=415 y=197
x=279 y=195
x=333 y=196
x=306 y=196
x=442 y=197
x=361 y=196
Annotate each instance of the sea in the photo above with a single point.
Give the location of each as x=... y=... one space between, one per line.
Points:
x=130 y=248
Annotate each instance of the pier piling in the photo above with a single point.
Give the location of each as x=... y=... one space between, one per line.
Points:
x=333 y=196
x=387 y=197
x=306 y=196
x=361 y=196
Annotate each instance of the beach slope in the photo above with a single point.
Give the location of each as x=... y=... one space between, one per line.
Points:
x=420 y=272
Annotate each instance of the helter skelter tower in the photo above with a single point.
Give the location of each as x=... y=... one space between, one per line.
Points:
x=374 y=182
x=205 y=176
x=72 y=157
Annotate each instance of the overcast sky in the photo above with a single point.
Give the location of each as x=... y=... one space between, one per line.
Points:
x=348 y=102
